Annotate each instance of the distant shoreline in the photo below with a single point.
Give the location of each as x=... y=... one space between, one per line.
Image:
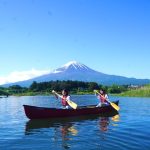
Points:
x=125 y=94
x=76 y=88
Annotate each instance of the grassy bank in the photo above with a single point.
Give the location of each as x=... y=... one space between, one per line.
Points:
x=139 y=92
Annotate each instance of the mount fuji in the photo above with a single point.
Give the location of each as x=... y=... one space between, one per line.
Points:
x=76 y=71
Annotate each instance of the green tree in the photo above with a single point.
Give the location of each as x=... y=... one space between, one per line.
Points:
x=15 y=89
x=92 y=86
x=114 y=89
x=34 y=86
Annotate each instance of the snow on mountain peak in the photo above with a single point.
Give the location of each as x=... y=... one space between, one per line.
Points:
x=71 y=63
x=72 y=66
x=76 y=65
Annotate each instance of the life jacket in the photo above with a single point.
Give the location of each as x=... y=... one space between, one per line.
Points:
x=102 y=99
x=63 y=101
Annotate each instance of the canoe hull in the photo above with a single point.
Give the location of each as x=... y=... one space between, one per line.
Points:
x=33 y=112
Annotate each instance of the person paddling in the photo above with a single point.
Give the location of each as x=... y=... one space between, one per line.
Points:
x=64 y=98
x=103 y=97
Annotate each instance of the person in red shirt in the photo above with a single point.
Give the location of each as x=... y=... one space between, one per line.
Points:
x=64 y=97
x=103 y=97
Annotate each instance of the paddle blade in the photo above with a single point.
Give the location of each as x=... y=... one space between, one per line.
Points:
x=115 y=118
x=72 y=104
x=115 y=106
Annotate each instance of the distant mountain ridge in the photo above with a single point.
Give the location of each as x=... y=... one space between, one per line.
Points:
x=76 y=71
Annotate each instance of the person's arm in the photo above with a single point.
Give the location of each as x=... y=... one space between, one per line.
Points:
x=97 y=95
x=56 y=94
x=68 y=98
x=106 y=97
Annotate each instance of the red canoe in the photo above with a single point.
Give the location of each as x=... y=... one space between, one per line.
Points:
x=34 y=112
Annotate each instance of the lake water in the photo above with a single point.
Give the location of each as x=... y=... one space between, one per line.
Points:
x=129 y=130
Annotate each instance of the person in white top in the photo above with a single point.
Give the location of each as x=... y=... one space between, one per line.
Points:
x=64 y=98
x=103 y=97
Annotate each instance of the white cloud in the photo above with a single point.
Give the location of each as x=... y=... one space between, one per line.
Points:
x=22 y=75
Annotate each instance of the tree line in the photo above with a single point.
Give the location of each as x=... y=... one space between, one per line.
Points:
x=72 y=86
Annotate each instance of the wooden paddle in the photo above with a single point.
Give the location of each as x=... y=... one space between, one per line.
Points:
x=112 y=104
x=72 y=104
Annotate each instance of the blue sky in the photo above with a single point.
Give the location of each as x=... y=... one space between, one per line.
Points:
x=110 y=36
